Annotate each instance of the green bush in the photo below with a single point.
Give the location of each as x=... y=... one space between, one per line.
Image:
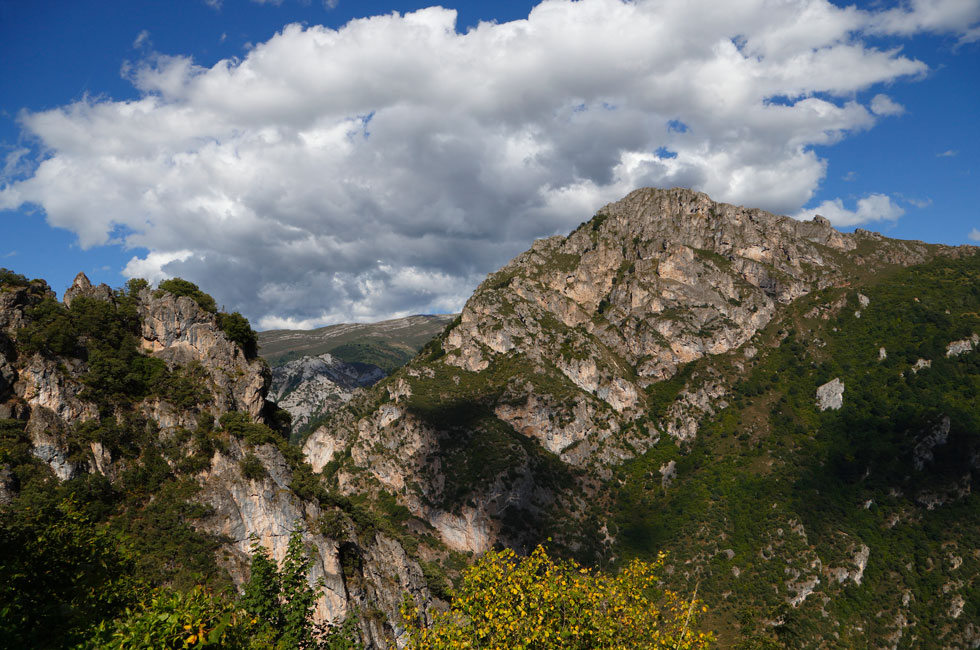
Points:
x=60 y=575
x=237 y=328
x=241 y=426
x=10 y=279
x=252 y=467
x=180 y=287
x=174 y=619
x=135 y=285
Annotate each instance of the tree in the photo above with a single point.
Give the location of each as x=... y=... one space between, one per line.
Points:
x=538 y=603
x=237 y=328
x=281 y=602
x=60 y=573
x=274 y=613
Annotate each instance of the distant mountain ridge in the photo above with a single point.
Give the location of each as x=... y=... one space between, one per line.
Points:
x=387 y=344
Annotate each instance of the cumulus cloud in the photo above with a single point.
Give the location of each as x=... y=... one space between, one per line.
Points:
x=874 y=207
x=974 y=235
x=385 y=167
x=949 y=153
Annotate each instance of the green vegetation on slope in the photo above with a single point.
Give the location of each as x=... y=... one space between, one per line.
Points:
x=772 y=477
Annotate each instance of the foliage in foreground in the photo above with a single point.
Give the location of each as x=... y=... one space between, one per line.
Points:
x=542 y=603
x=274 y=613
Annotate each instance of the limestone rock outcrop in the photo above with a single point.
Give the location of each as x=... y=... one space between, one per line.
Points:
x=178 y=331
x=830 y=396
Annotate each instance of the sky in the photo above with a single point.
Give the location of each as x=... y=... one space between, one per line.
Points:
x=323 y=161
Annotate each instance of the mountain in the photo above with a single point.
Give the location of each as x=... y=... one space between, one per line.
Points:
x=388 y=344
x=780 y=405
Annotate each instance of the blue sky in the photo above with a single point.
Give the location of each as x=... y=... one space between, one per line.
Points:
x=307 y=169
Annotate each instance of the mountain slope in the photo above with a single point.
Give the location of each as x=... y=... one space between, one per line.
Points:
x=590 y=379
x=825 y=523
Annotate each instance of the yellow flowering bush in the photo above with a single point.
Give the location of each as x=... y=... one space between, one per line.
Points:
x=538 y=603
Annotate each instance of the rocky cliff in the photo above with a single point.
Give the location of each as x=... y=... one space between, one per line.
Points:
x=790 y=411
x=144 y=386
x=566 y=344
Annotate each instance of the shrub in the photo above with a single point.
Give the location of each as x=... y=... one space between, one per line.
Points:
x=252 y=467
x=537 y=602
x=174 y=619
x=10 y=279
x=135 y=285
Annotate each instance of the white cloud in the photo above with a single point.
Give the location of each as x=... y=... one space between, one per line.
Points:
x=279 y=180
x=154 y=266
x=949 y=153
x=974 y=235
x=884 y=105
x=874 y=207
x=959 y=17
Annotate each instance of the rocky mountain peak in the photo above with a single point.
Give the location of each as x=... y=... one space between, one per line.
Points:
x=567 y=344
x=82 y=286
x=177 y=330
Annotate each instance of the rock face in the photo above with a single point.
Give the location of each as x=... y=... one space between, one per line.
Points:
x=586 y=382
x=962 y=346
x=357 y=575
x=310 y=386
x=178 y=331
x=646 y=382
